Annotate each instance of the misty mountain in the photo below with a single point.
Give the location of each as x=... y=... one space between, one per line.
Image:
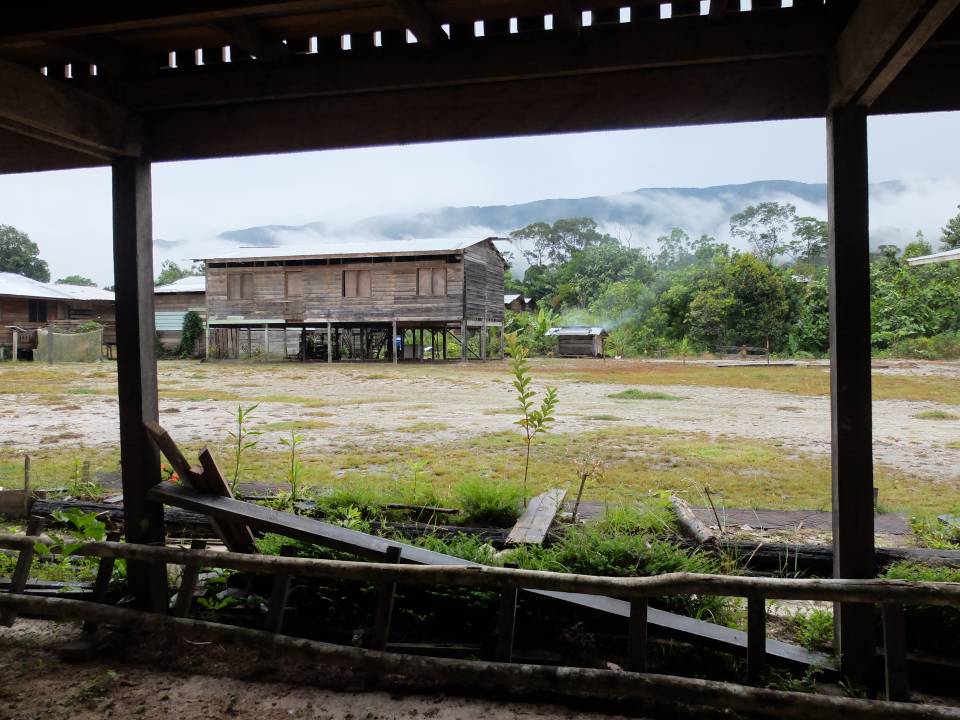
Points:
x=637 y=217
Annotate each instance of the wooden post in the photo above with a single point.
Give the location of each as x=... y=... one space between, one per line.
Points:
x=463 y=341
x=21 y=573
x=483 y=341
x=329 y=344
x=756 y=638
x=16 y=345
x=393 y=342
x=380 y=632
x=501 y=341
x=102 y=583
x=444 y=342
x=26 y=486
x=279 y=595
x=266 y=342
x=850 y=396
x=249 y=343
x=206 y=339
x=50 y=344
x=137 y=371
x=188 y=583
x=637 y=636
x=506 y=622
x=895 y=653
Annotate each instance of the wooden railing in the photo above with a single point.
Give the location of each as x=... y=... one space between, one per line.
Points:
x=890 y=595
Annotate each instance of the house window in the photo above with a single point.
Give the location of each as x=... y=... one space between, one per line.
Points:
x=432 y=281
x=37 y=310
x=240 y=286
x=293 y=285
x=356 y=283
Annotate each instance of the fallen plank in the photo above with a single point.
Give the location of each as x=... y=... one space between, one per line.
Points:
x=372 y=547
x=689 y=523
x=534 y=524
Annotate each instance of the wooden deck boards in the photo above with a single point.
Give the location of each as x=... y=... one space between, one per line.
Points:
x=534 y=523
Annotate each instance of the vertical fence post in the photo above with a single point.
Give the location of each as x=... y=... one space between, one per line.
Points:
x=637 y=636
x=188 y=583
x=21 y=573
x=102 y=583
x=278 y=598
x=380 y=633
x=756 y=638
x=895 y=652
x=506 y=621
x=26 y=486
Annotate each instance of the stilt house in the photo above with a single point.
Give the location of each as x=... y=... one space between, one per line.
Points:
x=359 y=301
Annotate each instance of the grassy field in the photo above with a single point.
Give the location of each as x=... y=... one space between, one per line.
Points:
x=638 y=462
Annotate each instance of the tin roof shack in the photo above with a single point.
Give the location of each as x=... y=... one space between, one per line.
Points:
x=405 y=299
x=579 y=341
x=171 y=302
x=27 y=305
x=514 y=302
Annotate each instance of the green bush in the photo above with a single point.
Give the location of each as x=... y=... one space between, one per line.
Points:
x=190 y=334
x=486 y=502
x=945 y=346
x=814 y=629
x=461 y=545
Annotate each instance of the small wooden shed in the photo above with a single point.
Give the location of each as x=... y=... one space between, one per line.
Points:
x=579 y=341
x=174 y=300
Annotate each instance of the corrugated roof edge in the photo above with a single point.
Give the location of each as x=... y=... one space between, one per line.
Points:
x=376 y=248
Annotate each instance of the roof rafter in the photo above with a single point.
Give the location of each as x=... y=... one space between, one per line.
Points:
x=246 y=34
x=880 y=38
x=51 y=111
x=422 y=23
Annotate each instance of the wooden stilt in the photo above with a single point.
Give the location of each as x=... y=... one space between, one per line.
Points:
x=850 y=394
x=444 y=343
x=756 y=639
x=895 y=653
x=393 y=343
x=137 y=372
x=102 y=583
x=188 y=583
x=21 y=572
x=637 y=636
x=279 y=595
x=506 y=622
x=329 y=344
x=380 y=633
x=483 y=341
x=15 y=349
x=463 y=341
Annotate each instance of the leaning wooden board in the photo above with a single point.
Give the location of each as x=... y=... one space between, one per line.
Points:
x=373 y=547
x=534 y=524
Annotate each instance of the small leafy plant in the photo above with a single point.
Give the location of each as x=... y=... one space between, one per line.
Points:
x=533 y=420
x=295 y=470
x=586 y=469
x=242 y=440
x=85 y=526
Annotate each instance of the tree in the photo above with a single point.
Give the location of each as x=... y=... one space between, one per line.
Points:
x=76 y=280
x=950 y=236
x=555 y=244
x=765 y=227
x=918 y=247
x=675 y=250
x=171 y=272
x=810 y=238
x=19 y=254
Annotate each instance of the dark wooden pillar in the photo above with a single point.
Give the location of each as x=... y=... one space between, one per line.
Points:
x=137 y=371
x=850 y=409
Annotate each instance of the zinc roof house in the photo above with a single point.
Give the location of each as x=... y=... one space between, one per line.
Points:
x=174 y=300
x=578 y=341
x=346 y=300
x=27 y=305
x=940 y=257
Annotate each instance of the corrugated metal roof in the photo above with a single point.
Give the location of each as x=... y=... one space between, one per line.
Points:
x=14 y=285
x=576 y=331
x=940 y=257
x=85 y=292
x=351 y=249
x=191 y=283
x=507 y=299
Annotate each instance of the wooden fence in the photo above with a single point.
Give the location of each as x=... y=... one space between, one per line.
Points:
x=890 y=595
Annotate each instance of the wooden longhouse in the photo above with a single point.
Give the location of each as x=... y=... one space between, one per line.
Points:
x=127 y=84
x=387 y=300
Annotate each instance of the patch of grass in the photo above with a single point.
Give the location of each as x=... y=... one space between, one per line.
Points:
x=953 y=445
x=500 y=411
x=933 y=533
x=295 y=425
x=936 y=415
x=488 y=502
x=814 y=629
x=634 y=394
x=801 y=380
x=608 y=418
x=422 y=427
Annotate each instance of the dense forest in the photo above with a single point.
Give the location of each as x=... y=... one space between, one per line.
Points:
x=699 y=295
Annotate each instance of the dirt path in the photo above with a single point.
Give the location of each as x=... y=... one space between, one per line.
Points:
x=167 y=680
x=350 y=406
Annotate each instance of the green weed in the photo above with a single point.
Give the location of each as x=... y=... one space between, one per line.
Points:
x=936 y=415
x=634 y=394
x=813 y=629
x=488 y=502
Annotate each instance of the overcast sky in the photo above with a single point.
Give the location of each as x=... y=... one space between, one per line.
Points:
x=68 y=213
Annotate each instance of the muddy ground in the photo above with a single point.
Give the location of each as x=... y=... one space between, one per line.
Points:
x=375 y=405
x=172 y=680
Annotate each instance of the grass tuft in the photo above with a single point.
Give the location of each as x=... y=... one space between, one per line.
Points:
x=634 y=394
x=936 y=415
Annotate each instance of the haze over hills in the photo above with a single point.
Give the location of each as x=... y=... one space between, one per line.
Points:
x=898 y=209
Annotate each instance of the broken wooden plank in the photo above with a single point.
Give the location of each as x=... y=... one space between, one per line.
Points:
x=689 y=523
x=535 y=522
x=235 y=535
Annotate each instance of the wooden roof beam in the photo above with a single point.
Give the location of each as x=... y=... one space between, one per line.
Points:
x=249 y=36
x=110 y=58
x=567 y=16
x=719 y=8
x=422 y=24
x=48 y=110
x=880 y=38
